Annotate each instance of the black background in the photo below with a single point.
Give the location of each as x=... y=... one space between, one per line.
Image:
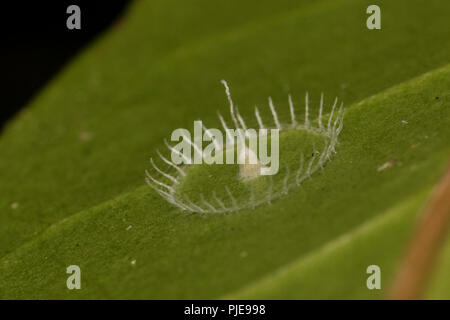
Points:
x=36 y=44
x=275 y=309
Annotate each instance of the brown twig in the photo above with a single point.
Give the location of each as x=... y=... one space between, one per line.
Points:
x=424 y=247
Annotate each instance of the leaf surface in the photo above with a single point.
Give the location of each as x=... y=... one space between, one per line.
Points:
x=73 y=161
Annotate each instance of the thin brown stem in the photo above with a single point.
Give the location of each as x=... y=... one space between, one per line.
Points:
x=416 y=266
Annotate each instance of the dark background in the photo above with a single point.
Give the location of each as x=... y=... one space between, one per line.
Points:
x=36 y=44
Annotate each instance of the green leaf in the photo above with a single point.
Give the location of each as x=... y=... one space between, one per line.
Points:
x=74 y=160
x=439 y=286
x=336 y=269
